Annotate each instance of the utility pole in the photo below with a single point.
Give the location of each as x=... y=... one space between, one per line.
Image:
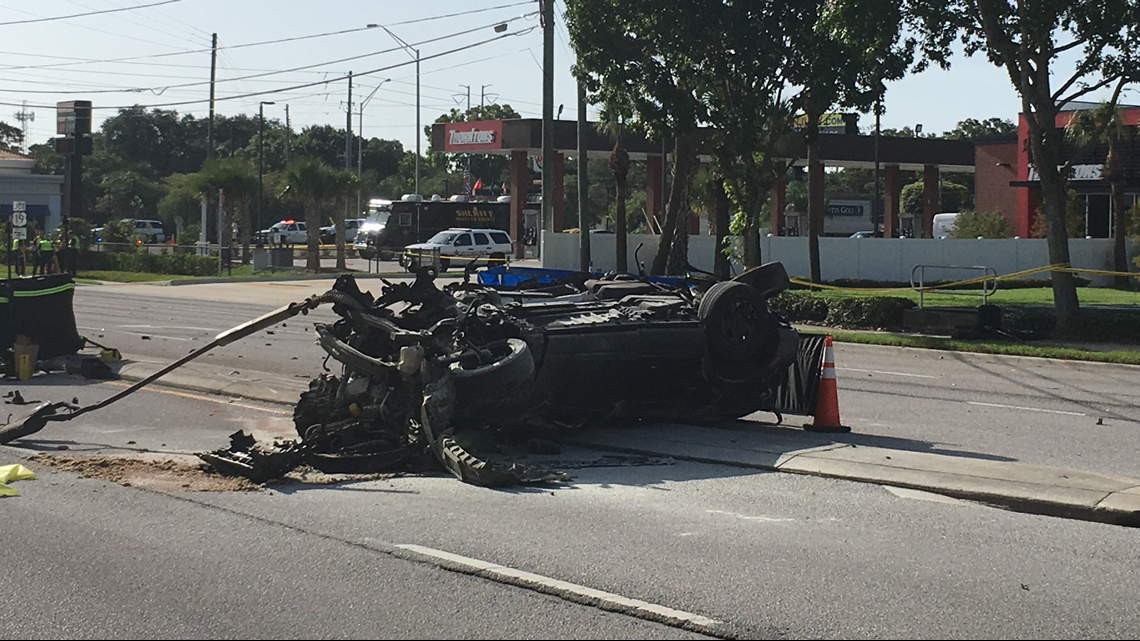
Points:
x=288 y=138
x=213 y=76
x=468 y=88
x=585 y=263
x=875 y=204
x=347 y=143
x=483 y=95
x=25 y=116
x=547 y=119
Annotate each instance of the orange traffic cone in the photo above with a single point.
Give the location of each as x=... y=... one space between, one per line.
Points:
x=827 y=406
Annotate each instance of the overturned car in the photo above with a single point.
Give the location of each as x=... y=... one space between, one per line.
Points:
x=420 y=364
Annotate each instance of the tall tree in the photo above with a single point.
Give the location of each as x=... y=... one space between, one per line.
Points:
x=639 y=53
x=1104 y=125
x=1026 y=38
x=319 y=187
x=844 y=52
x=237 y=179
x=610 y=123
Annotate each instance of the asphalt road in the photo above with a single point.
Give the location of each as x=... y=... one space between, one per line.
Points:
x=751 y=554
x=1066 y=414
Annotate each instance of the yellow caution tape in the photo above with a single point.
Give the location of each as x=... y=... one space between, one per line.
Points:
x=9 y=473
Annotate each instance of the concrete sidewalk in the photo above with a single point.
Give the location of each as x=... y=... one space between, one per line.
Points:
x=1022 y=487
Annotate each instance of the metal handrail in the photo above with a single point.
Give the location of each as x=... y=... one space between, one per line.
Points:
x=988 y=284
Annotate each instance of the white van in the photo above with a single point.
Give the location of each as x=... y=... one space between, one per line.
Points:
x=943 y=224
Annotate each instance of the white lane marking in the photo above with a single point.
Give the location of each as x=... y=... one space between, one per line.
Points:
x=875 y=371
x=565 y=586
x=1027 y=409
x=765 y=519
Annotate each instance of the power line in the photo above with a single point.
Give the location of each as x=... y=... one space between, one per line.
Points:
x=311 y=84
x=262 y=43
x=89 y=13
x=181 y=36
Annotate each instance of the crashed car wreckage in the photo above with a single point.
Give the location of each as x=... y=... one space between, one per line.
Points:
x=420 y=365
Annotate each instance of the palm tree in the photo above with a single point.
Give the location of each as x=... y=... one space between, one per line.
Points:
x=318 y=187
x=237 y=179
x=610 y=123
x=1103 y=125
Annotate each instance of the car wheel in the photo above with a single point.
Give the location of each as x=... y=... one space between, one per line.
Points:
x=365 y=254
x=735 y=318
x=498 y=258
x=511 y=371
x=444 y=264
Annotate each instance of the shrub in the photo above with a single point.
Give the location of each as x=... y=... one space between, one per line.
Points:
x=877 y=312
x=180 y=264
x=797 y=307
x=986 y=224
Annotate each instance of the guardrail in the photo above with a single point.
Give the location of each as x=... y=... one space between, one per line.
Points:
x=987 y=281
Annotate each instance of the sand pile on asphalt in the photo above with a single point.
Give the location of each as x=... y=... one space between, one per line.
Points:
x=163 y=473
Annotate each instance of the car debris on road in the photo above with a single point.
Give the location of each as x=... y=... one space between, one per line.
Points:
x=426 y=374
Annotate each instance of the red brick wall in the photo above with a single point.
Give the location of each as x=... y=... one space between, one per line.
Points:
x=995 y=165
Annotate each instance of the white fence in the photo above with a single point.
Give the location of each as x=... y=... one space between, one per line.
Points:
x=878 y=259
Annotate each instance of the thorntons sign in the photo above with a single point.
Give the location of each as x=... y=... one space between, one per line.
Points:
x=471 y=136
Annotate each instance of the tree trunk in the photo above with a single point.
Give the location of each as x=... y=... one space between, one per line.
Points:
x=621 y=247
x=313 y=238
x=815 y=203
x=1114 y=172
x=684 y=166
x=678 y=263
x=720 y=227
x=1045 y=145
x=339 y=237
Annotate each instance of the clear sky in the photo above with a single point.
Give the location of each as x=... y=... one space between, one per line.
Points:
x=142 y=53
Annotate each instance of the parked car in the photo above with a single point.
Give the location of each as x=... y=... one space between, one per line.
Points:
x=286 y=232
x=943 y=224
x=148 y=231
x=862 y=234
x=351 y=225
x=458 y=244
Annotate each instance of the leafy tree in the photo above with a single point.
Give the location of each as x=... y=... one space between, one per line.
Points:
x=161 y=139
x=843 y=51
x=980 y=224
x=954 y=197
x=11 y=138
x=237 y=179
x=610 y=123
x=318 y=188
x=1105 y=125
x=972 y=128
x=47 y=160
x=1025 y=38
x=183 y=199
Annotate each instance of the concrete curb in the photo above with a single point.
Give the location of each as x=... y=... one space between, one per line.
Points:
x=1021 y=487
x=284 y=278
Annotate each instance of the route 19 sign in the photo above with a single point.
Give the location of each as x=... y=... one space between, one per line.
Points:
x=19 y=219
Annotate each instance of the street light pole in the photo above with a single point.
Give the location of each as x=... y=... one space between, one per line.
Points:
x=415 y=53
x=260 y=162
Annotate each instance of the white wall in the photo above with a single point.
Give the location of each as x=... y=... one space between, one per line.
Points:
x=879 y=259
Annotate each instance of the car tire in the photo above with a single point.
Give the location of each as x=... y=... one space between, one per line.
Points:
x=498 y=258
x=444 y=264
x=365 y=254
x=513 y=371
x=736 y=321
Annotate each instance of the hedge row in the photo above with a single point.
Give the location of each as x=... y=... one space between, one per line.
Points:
x=878 y=312
x=179 y=264
x=884 y=312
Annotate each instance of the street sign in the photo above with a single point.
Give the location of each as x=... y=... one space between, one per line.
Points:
x=19 y=205
x=20 y=233
x=19 y=218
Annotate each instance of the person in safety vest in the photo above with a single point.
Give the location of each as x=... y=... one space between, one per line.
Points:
x=44 y=255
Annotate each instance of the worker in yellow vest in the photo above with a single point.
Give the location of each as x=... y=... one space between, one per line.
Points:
x=44 y=255
x=17 y=257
